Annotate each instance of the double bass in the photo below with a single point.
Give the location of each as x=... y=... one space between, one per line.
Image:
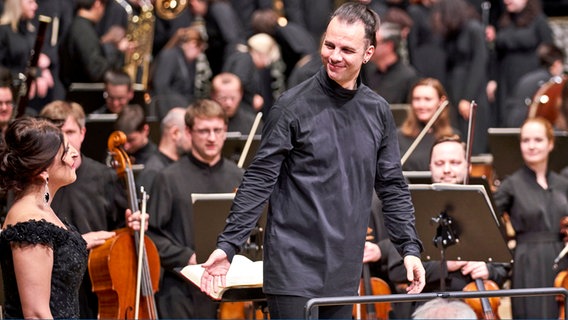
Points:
x=125 y=270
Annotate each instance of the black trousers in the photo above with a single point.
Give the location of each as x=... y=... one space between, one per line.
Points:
x=293 y=307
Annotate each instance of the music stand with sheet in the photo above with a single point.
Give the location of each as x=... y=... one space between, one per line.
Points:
x=458 y=222
x=234 y=144
x=504 y=144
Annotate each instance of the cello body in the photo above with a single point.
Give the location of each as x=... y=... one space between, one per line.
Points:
x=112 y=268
x=125 y=270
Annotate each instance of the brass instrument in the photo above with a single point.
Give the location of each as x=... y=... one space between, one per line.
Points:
x=140 y=31
x=170 y=9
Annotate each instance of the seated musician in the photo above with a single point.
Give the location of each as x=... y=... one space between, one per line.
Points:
x=448 y=165
x=426 y=96
x=203 y=170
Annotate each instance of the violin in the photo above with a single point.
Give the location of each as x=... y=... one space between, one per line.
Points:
x=372 y=286
x=125 y=270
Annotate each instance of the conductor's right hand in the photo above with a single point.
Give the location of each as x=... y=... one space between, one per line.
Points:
x=216 y=268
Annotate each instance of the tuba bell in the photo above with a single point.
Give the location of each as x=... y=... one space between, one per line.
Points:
x=170 y=9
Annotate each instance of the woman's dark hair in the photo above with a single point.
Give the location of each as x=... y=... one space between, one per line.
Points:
x=29 y=148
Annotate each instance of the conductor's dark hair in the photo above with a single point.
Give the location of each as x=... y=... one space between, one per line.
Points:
x=352 y=12
x=29 y=148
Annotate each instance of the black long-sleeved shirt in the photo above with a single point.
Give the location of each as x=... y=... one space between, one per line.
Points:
x=323 y=151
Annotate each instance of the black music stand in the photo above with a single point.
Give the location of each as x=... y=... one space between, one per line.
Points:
x=457 y=222
x=90 y=95
x=504 y=144
x=234 y=144
x=210 y=211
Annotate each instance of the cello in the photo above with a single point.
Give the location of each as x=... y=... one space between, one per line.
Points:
x=125 y=270
x=547 y=100
x=484 y=308
x=372 y=286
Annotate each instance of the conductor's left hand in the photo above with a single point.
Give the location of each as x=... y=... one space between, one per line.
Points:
x=214 y=275
x=415 y=274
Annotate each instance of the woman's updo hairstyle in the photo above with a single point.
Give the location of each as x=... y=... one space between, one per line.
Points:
x=29 y=148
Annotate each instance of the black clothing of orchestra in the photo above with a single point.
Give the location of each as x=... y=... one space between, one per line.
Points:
x=173 y=74
x=535 y=215
x=224 y=32
x=241 y=64
x=83 y=58
x=312 y=15
x=61 y=14
x=304 y=69
x=245 y=10
x=516 y=54
x=15 y=47
x=319 y=201
x=156 y=163
x=425 y=46
x=517 y=106
x=419 y=159
x=115 y=16
x=171 y=228
x=69 y=264
x=242 y=122
x=165 y=29
x=394 y=84
x=95 y=201
x=295 y=42
x=142 y=155
x=467 y=60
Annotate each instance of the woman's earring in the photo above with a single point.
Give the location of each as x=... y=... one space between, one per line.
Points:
x=46 y=194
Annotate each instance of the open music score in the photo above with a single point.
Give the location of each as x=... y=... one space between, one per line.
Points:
x=243 y=273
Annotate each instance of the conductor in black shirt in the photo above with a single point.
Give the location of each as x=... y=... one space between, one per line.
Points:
x=326 y=145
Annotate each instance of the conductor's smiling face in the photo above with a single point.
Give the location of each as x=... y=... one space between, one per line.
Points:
x=344 y=48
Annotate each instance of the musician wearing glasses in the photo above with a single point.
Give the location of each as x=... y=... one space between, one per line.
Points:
x=203 y=170
x=118 y=92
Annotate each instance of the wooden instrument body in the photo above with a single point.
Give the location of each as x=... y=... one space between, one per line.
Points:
x=379 y=310
x=239 y=310
x=548 y=99
x=112 y=268
x=489 y=311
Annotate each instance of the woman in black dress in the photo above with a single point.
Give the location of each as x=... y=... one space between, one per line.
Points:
x=536 y=199
x=43 y=259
